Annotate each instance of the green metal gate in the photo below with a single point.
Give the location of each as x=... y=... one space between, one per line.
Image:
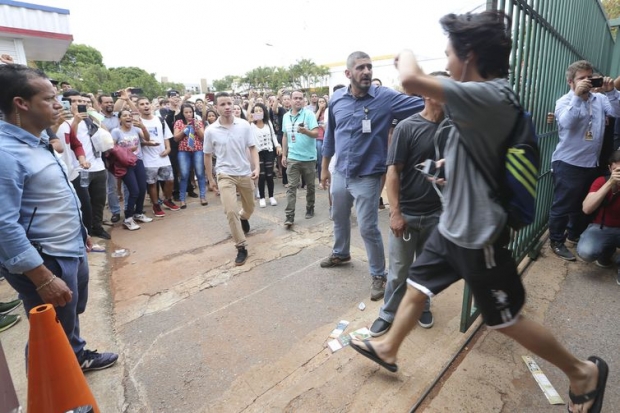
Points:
x=548 y=35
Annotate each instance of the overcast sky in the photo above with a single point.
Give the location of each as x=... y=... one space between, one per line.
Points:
x=186 y=40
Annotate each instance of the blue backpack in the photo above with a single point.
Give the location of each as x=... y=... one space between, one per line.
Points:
x=515 y=189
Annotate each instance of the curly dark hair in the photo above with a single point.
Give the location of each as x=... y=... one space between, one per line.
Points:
x=487 y=34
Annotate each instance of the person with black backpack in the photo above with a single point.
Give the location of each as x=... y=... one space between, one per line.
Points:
x=470 y=241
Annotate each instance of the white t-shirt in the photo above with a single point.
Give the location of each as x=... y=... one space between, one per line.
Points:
x=229 y=145
x=96 y=163
x=150 y=154
x=265 y=139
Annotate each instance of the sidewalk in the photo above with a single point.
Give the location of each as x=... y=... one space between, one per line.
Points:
x=198 y=334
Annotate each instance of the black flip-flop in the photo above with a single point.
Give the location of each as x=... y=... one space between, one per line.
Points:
x=596 y=394
x=369 y=353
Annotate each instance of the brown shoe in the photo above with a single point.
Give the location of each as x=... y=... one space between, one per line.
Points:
x=334 y=261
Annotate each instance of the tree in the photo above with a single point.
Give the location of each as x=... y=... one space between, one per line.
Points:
x=612 y=8
x=303 y=75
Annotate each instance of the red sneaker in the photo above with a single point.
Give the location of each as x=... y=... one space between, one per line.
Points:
x=157 y=211
x=171 y=205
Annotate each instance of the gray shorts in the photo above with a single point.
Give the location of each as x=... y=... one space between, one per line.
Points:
x=163 y=173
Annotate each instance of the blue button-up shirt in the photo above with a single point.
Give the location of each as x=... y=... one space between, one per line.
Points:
x=575 y=118
x=32 y=177
x=364 y=154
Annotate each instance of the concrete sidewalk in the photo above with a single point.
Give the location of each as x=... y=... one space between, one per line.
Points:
x=198 y=334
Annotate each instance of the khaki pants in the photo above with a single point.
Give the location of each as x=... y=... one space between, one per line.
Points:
x=229 y=186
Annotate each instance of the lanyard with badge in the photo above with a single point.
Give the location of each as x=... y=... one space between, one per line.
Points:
x=293 y=125
x=589 y=135
x=366 y=128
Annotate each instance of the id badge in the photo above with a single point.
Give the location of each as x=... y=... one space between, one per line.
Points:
x=589 y=136
x=366 y=126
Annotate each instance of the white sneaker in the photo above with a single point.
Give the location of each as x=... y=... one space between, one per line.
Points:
x=142 y=218
x=262 y=203
x=273 y=201
x=130 y=224
x=257 y=194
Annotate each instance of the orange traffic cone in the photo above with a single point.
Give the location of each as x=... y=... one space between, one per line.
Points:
x=56 y=383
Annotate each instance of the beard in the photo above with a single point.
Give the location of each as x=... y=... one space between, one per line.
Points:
x=359 y=86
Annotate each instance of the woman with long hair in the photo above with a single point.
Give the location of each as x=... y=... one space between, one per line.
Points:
x=189 y=133
x=131 y=133
x=268 y=147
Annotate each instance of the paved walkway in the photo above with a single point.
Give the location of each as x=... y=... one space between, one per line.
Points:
x=196 y=333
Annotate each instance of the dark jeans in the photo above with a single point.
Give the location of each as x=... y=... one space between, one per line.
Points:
x=74 y=272
x=135 y=180
x=571 y=185
x=174 y=162
x=92 y=199
x=280 y=167
x=319 y=157
x=266 y=159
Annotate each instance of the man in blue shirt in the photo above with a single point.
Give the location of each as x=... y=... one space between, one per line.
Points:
x=299 y=154
x=43 y=248
x=581 y=125
x=360 y=117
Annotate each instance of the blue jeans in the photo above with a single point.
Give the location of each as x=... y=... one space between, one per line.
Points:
x=319 y=157
x=74 y=272
x=113 y=204
x=135 y=180
x=403 y=252
x=596 y=243
x=364 y=192
x=571 y=185
x=186 y=160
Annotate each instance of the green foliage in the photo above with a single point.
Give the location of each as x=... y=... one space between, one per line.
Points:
x=304 y=74
x=82 y=66
x=612 y=8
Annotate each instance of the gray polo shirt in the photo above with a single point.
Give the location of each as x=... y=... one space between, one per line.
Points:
x=230 y=145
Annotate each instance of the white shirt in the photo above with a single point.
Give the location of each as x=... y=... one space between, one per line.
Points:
x=151 y=154
x=265 y=139
x=229 y=145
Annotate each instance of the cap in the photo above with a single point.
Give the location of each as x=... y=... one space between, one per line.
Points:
x=173 y=92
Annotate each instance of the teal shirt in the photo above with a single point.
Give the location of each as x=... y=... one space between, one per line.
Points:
x=304 y=147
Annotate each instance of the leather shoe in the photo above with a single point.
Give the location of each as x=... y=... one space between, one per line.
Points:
x=115 y=218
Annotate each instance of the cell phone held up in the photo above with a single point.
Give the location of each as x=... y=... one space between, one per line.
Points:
x=81 y=108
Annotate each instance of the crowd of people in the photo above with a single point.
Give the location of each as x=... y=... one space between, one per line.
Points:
x=444 y=226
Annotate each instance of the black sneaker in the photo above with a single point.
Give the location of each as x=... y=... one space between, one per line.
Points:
x=242 y=256
x=8 y=320
x=6 y=308
x=601 y=262
x=91 y=360
x=381 y=204
x=288 y=223
x=192 y=194
x=309 y=212
x=377 y=288
x=561 y=251
x=100 y=233
x=115 y=218
x=426 y=319
x=618 y=277
x=379 y=327
x=334 y=261
x=245 y=225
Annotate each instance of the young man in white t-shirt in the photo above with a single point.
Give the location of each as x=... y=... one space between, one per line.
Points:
x=155 y=157
x=228 y=139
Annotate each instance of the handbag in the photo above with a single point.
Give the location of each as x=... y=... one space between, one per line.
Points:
x=102 y=140
x=124 y=156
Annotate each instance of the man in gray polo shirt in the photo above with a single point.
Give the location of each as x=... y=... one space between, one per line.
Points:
x=228 y=139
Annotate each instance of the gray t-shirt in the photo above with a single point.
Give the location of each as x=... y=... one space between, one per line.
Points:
x=483 y=115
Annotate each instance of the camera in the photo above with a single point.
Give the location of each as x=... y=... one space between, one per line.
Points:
x=596 y=81
x=115 y=95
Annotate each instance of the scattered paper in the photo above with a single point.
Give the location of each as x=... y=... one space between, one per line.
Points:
x=97 y=248
x=336 y=332
x=361 y=306
x=543 y=382
x=345 y=339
